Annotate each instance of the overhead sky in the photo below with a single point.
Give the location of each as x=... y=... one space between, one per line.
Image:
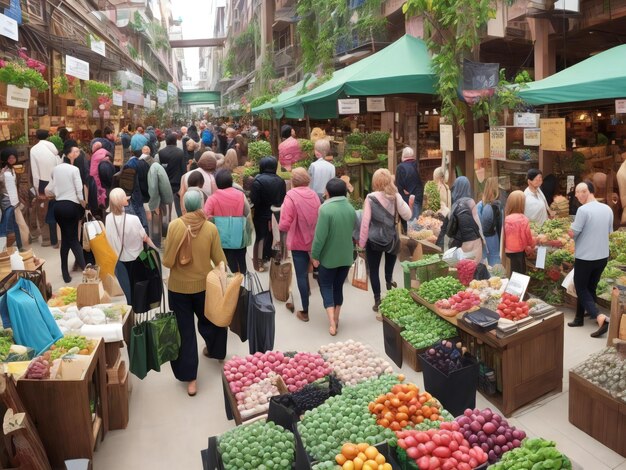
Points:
x=195 y=25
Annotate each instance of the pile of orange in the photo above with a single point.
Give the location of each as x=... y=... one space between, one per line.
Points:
x=404 y=405
x=361 y=457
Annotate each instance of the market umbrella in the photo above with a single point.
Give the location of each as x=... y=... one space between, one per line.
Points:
x=602 y=76
x=287 y=94
x=402 y=67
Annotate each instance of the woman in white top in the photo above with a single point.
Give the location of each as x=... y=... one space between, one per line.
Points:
x=126 y=236
x=67 y=189
x=12 y=216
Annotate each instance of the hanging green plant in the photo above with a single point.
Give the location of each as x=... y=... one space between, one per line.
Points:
x=132 y=52
x=149 y=86
x=17 y=73
x=92 y=89
x=505 y=97
x=60 y=85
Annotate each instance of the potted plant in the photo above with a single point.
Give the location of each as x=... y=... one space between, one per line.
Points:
x=19 y=74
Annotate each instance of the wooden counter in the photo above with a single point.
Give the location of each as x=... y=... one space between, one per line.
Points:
x=60 y=410
x=527 y=364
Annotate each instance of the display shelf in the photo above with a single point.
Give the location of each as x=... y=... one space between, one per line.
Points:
x=597 y=413
x=527 y=364
x=61 y=410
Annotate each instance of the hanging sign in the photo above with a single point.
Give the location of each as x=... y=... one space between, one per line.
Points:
x=161 y=97
x=497 y=143
x=18 y=97
x=532 y=137
x=481 y=145
x=172 y=91
x=526 y=120
x=376 y=105
x=133 y=97
x=98 y=46
x=118 y=98
x=446 y=137
x=517 y=285
x=8 y=27
x=348 y=106
x=553 y=134
x=620 y=106
x=76 y=67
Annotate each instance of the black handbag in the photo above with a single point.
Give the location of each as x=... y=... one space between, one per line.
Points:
x=239 y=323
x=261 y=316
x=148 y=287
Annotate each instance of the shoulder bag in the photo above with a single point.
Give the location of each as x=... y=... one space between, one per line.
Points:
x=383 y=231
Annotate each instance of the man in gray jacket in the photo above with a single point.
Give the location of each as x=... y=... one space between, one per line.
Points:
x=161 y=197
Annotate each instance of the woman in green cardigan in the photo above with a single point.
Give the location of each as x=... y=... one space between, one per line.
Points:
x=332 y=248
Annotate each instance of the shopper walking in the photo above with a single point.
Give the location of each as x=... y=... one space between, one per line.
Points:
x=98 y=156
x=321 y=170
x=187 y=284
x=12 y=217
x=409 y=181
x=289 y=151
x=332 y=248
x=536 y=207
x=298 y=217
x=161 y=198
x=206 y=167
x=44 y=157
x=227 y=201
x=173 y=160
x=137 y=177
x=490 y=214
x=517 y=240
x=268 y=189
x=464 y=229
x=126 y=235
x=138 y=140
x=67 y=188
x=590 y=230
x=381 y=211
x=126 y=135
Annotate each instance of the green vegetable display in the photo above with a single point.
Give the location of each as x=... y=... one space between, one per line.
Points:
x=439 y=288
x=6 y=341
x=260 y=445
x=345 y=418
x=398 y=306
x=534 y=454
x=426 y=328
x=617 y=246
x=433 y=198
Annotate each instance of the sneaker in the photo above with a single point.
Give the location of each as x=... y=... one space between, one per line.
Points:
x=376 y=305
x=302 y=316
x=392 y=285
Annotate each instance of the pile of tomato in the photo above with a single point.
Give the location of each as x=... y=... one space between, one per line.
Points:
x=512 y=308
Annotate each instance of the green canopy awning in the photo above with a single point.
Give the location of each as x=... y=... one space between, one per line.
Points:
x=199 y=97
x=602 y=76
x=401 y=67
x=284 y=96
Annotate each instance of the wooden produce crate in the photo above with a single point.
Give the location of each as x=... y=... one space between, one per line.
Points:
x=118 y=397
x=597 y=413
x=392 y=340
x=60 y=408
x=410 y=355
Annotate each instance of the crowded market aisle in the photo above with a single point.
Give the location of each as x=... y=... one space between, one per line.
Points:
x=167 y=428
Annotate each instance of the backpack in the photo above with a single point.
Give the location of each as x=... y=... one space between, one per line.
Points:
x=382 y=233
x=497 y=219
x=106 y=170
x=126 y=181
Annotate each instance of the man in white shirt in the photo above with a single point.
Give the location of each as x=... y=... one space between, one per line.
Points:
x=321 y=171
x=44 y=156
x=536 y=208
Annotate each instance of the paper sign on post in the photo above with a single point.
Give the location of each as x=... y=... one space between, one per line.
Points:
x=118 y=98
x=8 y=27
x=376 y=105
x=526 y=120
x=446 y=137
x=18 y=97
x=532 y=137
x=540 y=262
x=76 y=67
x=517 y=285
x=348 y=106
x=553 y=134
x=99 y=47
x=620 y=106
x=497 y=143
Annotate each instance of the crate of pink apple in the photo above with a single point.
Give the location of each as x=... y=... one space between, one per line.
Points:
x=253 y=380
x=490 y=432
x=460 y=302
x=512 y=308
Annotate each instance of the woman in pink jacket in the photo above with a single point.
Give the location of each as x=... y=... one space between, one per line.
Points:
x=289 y=151
x=227 y=201
x=99 y=154
x=298 y=217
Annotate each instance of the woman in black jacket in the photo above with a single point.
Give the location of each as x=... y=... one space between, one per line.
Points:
x=268 y=189
x=464 y=228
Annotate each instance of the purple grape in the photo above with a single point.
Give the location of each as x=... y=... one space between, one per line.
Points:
x=516 y=443
x=497 y=449
x=484 y=447
x=472 y=439
x=492 y=456
x=505 y=449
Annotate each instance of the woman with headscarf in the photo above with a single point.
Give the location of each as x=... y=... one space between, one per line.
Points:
x=289 y=151
x=187 y=288
x=268 y=189
x=464 y=229
x=206 y=167
x=99 y=154
x=298 y=217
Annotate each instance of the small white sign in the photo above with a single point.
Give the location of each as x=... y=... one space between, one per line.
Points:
x=76 y=67
x=118 y=98
x=532 y=137
x=540 y=262
x=348 y=106
x=146 y=101
x=517 y=285
x=172 y=91
x=497 y=143
x=376 y=105
x=161 y=97
x=133 y=97
x=446 y=137
x=526 y=120
x=99 y=47
x=8 y=27
x=18 y=97
x=620 y=106
x=571 y=181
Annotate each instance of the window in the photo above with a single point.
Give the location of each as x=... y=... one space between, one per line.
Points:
x=282 y=39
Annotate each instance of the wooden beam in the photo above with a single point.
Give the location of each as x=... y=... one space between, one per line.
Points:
x=206 y=42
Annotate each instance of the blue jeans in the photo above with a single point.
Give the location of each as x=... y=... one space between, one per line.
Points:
x=492 y=251
x=9 y=224
x=301 y=263
x=331 y=285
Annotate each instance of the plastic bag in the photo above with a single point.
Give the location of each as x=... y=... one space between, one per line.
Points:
x=359 y=273
x=454 y=255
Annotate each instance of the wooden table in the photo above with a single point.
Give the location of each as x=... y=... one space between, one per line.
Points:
x=528 y=364
x=60 y=410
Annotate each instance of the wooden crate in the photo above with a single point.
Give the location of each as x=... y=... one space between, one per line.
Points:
x=118 y=397
x=112 y=353
x=392 y=341
x=410 y=355
x=116 y=374
x=595 y=412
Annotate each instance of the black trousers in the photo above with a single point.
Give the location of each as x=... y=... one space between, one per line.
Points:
x=373 y=258
x=236 y=260
x=586 y=278
x=185 y=306
x=68 y=214
x=518 y=262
